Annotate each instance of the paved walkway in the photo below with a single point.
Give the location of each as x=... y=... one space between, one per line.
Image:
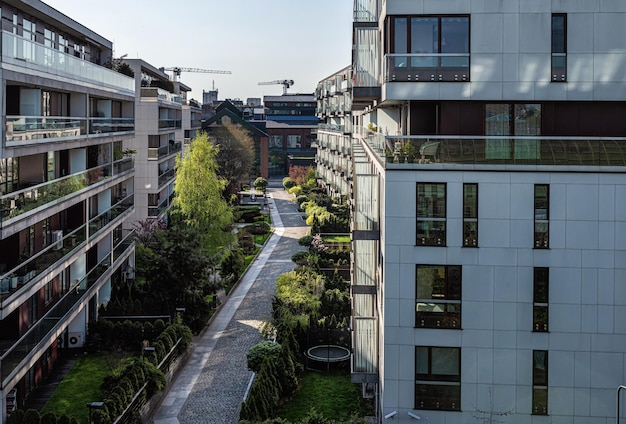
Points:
x=211 y=386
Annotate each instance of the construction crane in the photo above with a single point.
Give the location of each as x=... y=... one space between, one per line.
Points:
x=285 y=83
x=177 y=70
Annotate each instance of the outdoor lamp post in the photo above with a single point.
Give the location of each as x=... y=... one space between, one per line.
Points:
x=93 y=405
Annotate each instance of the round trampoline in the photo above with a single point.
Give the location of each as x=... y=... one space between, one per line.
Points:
x=328 y=353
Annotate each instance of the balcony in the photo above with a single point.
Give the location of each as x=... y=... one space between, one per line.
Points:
x=29 y=54
x=19 y=202
x=166 y=176
x=429 y=67
x=111 y=125
x=155 y=153
x=51 y=325
x=161 y=95
x=46 y=128
x=21 y=130
x=104 y=219
x=365 y=11
x=16 y=278
x=169 y=123
x=495 y=150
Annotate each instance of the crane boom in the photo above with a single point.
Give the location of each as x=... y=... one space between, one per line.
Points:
x=286 y=83
x=176 y=70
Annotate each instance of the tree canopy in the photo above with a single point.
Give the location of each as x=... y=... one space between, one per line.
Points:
x=199 y=193
x=235 y=157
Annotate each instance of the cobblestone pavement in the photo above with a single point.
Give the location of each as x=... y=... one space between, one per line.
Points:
x=211 y=386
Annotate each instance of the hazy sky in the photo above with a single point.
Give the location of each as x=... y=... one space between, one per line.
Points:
x=257 y=40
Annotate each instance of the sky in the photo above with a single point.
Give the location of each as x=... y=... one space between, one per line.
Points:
x=256 y=40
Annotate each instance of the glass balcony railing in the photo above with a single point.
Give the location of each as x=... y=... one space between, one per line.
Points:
x=22 y=128
x=104 y=219
x=26 y=271
x=25 y=200
x=170 y=123
x=125 y=164
x=123 y=246
x=109 y=125
x=496 y=150
x=155 y=153
x=57 y=317
x=29 y=54
x=365 y=11
x=429 y=67
x=166 y=176
x=53 y=128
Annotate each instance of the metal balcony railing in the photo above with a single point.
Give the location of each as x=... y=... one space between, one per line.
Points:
x=428 y=67
x=58 y=316
x=102 y=220
x=26 y=271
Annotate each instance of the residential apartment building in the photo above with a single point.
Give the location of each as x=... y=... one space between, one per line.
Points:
x=165 y=121
x=489 y=193
x=64 y=193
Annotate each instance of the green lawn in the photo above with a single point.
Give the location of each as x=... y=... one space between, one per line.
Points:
x=331 y=394
x=337 y=238
x=79 y=387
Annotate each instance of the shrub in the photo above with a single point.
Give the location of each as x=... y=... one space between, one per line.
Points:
x=48 y=418
x=259 y=352
x=31 y=416
x=301 y=199
x=300 y=256
x=258 y=228
x=305 y=241
x=232 y=263
x=288 y=183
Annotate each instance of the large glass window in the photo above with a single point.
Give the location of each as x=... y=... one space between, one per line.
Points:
x=542 y=216
x=518 y=119
x=438 y=296
x=430 y=48
x=559 y=47
x=438 y=378
x=540 y=298
x=470 y=215
x=431 y=214
x=540 y=382
x=294 y=141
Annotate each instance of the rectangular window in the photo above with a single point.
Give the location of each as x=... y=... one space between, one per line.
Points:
x=540 y=382
x=276 y=141
x=470 y=215
x=519 y=119
x=438 y=296
x=542 y=216
x=559 y=47
x=540 y=299
x=294 y=141
x=429 y=48
x=438 y=378
x=431 y=214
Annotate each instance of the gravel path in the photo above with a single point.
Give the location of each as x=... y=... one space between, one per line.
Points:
x=212 y=385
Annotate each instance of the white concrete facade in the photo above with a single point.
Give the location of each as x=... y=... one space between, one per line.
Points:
x=510 y=62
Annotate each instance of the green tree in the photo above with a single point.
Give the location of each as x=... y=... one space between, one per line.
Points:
x=235 y=157
x=199 y=194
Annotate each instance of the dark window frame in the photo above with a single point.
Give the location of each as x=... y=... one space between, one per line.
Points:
x=426 y=68
x=470 y=216
x=431 y=230
x=541 y=298
x=437 y=391
x=540 y=382
x=541 y=228
x=443 y=308
x=558 y=62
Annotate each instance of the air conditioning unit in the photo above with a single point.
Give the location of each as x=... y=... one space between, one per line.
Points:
x=57 y=239
x=75 y=340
